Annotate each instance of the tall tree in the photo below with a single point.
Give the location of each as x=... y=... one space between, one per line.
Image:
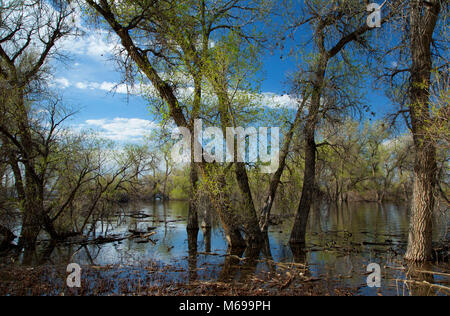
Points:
x=338 y=28
x=418 y=62
x=28 y=33
x=423 y=18
x=179 y=37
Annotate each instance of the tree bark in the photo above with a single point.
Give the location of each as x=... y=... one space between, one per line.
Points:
x=298 y=234
x=299 y=230
x=254 y=237
x=216 y=187
x=423 y=19
x=275 y=181
x=192 y=223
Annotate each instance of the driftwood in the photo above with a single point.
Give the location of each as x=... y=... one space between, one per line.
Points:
x=143 y=236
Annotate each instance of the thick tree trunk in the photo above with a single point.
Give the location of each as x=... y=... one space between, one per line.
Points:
x=301 y=220
x=298 y=233
x=7 y=238
x=423 y=19
x=32 y=216
x=216 y=187
x=254 y=237
x=31 y=225
x=421 y=227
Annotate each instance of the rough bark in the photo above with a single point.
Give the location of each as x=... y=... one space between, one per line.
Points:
x=299 y=230
x=216 y=186
x=423 y=19
x=254 y=236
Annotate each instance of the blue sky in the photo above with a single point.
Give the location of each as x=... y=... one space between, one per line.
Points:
x=87 y=82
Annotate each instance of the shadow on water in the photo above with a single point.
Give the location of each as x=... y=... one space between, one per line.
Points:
x=342 y=240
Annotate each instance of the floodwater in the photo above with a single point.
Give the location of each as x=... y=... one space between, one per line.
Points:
x=341 y=242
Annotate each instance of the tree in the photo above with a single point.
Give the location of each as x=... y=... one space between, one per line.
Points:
x=180 y=34
x=339 y=28
x=421 y=64
x=28 y=34
x=423 y=20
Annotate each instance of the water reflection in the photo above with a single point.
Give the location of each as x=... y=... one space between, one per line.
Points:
x=341 y=241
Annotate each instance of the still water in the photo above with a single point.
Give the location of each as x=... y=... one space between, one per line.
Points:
x=341 y=242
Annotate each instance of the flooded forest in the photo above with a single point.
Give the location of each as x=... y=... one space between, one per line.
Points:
x=224 y=148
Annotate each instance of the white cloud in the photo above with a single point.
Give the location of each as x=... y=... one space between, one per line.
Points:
x=93 y=42
x=81 y=85
x=273 y=100
x=107 y=86
x=121 y=129
x=266 y=99
x=61 y=83
x=97 y=44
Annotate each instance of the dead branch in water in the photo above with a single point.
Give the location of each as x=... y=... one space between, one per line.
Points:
x=425 y=283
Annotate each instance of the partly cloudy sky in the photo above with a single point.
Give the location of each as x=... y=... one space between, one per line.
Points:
x=89 y=81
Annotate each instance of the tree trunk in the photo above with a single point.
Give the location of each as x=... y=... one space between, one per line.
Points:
x=423 y=19
x=7 y=239
x=421 y=225
x=216 y=187
x=298 y=233
x=249 y=217
x=301 y=220
x=254 y=237
x=32 y=213
x=31 y=226
x=207 y=238
x=193 y=199
x=275 y=181
x=192 y=223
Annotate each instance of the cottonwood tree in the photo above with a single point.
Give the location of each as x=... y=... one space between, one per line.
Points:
x=29 y=31
x=420 y=58
x=340 y=33
x=172 y=35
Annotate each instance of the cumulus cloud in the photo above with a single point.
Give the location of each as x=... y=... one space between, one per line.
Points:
x=266 y=99
x=120 y=129
x=60 y=83
x=63 y=83
x=273 y=100
x=96 y=45
x=105 y=86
